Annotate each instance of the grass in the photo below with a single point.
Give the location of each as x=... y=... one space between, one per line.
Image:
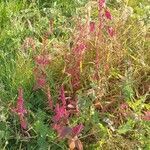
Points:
x=105 y=77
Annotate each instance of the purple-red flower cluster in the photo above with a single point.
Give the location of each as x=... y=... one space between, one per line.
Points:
x=20 y=109
x=61 y=118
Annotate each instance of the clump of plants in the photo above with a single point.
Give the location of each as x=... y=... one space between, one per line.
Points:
x=82 y=83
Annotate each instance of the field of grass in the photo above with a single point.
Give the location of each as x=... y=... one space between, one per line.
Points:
x=74 y=74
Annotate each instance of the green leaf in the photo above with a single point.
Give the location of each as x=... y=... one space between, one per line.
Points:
x=123 y=129
x=2 y=133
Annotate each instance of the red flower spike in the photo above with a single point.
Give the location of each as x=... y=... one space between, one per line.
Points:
x=92 y=26
x=50 y=101
x=77 y=129
x=108 y=15
x=62 y=96
x=111 y=31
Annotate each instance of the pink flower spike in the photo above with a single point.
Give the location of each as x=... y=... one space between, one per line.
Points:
x=92 y=26
x=23 y=122
x=111 y=31
x=57 y=108
x=61 y=112
x=20 y=103
x=77 y=129
x=101 y=3
x=108 y=15
x=62 y=96
x=20 y=110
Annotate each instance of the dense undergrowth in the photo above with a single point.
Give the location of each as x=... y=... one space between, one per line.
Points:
x=74 y=74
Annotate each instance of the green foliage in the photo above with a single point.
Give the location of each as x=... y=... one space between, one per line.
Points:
x=127 y=127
